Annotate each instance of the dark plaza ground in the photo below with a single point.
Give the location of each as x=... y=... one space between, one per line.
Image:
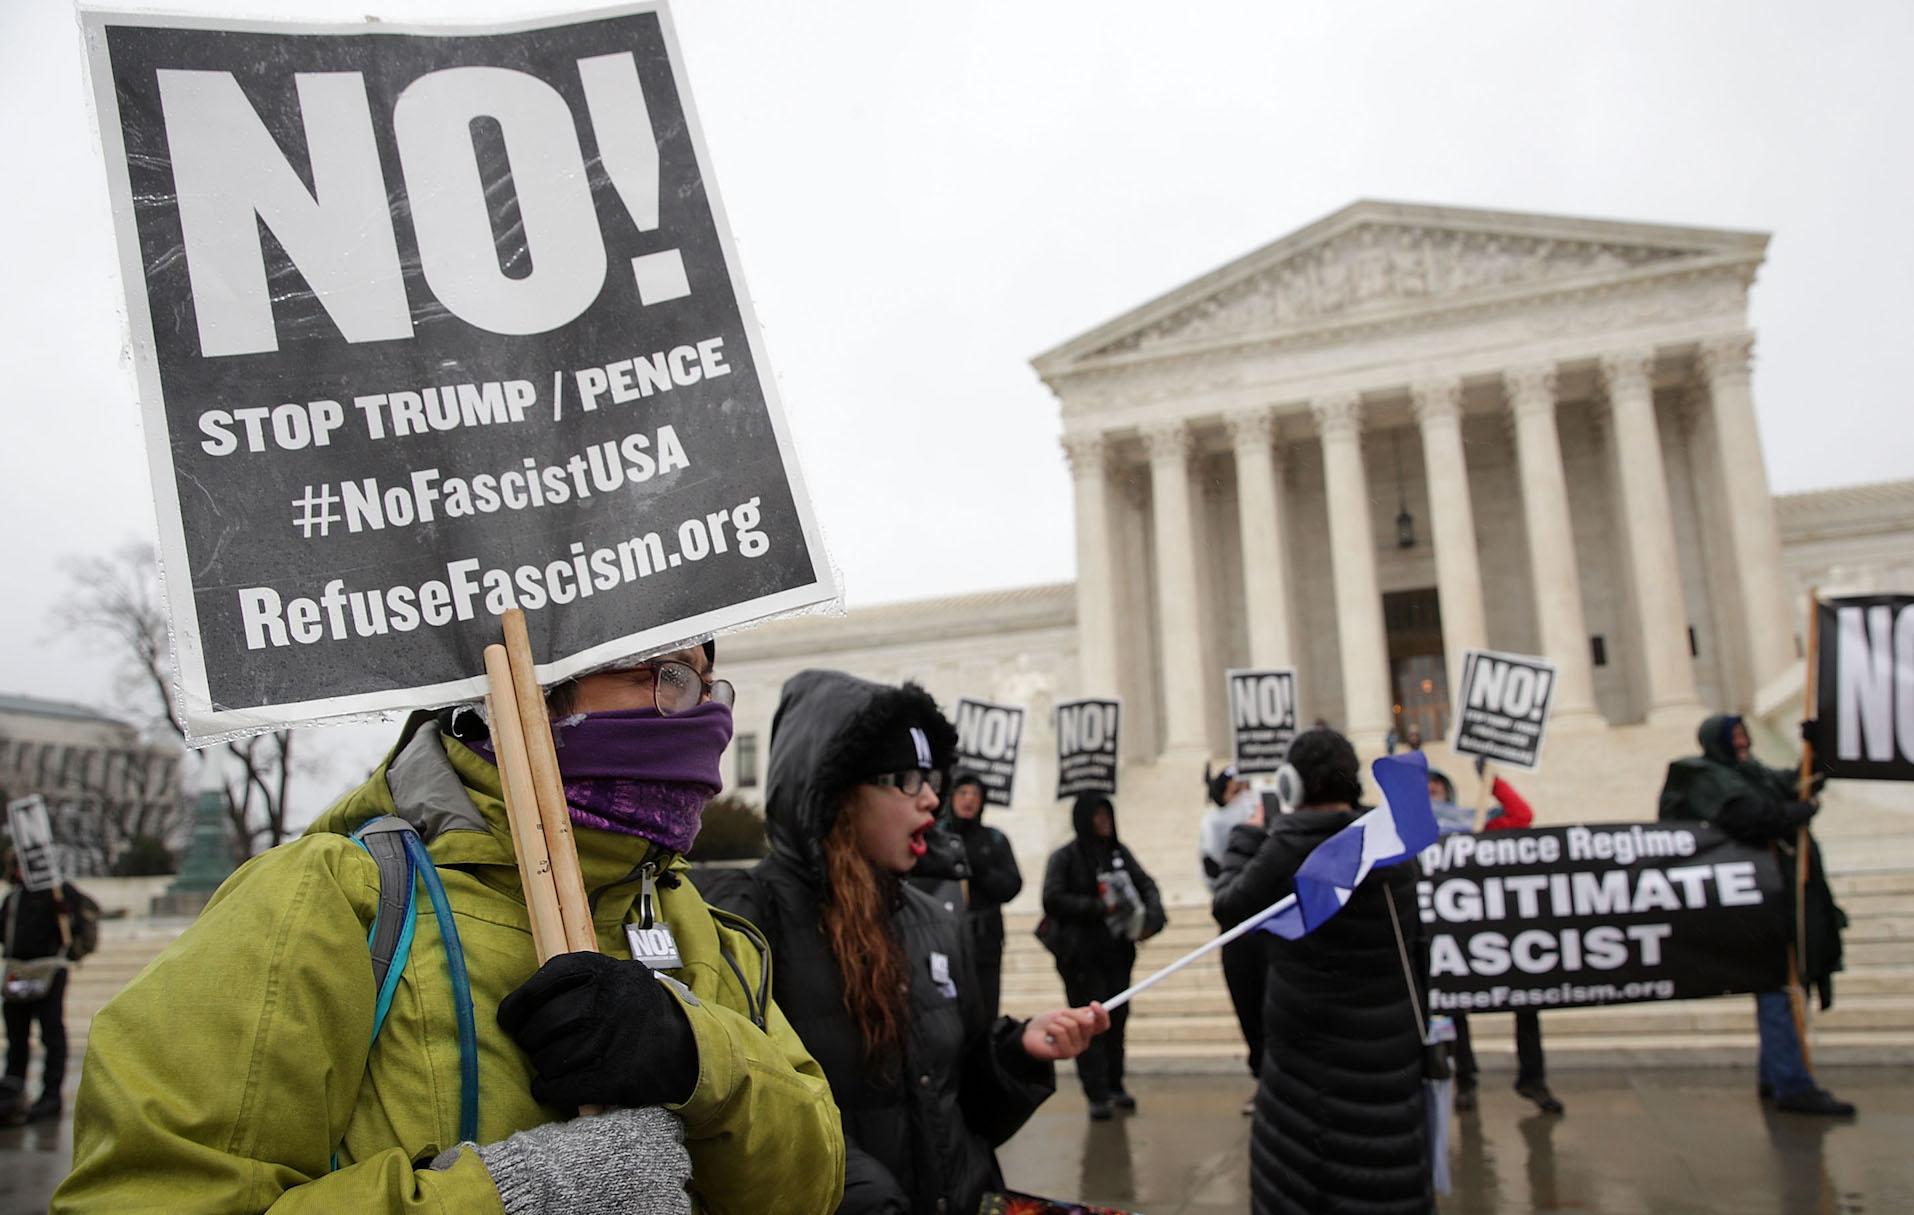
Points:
x=1665 y=1142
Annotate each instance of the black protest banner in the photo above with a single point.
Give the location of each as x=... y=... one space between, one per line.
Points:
x=32 y=833
x=1502 y=707
x=988 y=736
x=431 y=323
x=1612 y=913
x=1864 y=689
x=1087 y=747
x=1262 y=717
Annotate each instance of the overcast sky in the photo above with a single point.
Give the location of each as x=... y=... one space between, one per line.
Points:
x=926 y=195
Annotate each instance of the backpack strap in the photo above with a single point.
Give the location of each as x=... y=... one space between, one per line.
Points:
x=395 y=846
x=390 y=940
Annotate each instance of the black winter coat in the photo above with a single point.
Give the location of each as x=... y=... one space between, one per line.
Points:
x=1758 y=805
x=34 y=925
x=1340 y=1121
x=923 y=1139
x=994 y=881
x=1072 y=903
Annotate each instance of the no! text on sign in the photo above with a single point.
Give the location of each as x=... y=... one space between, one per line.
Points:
x=430 y=323
x=1502 y=707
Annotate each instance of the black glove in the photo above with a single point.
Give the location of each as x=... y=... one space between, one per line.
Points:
x=601 y=1031
x=1481 y=765
x=1799 y=813
x=1811 y=732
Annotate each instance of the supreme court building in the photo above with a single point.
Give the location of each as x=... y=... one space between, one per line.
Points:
x=1391 y=436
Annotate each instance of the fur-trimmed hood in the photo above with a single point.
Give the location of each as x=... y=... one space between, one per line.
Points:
x=826 y=724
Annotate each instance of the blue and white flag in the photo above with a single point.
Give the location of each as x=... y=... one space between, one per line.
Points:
x=1402 y=826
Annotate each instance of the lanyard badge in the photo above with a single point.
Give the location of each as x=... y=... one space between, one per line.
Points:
x=651 y=938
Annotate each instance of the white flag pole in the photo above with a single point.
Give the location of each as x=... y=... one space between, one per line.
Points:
x=1210 y=946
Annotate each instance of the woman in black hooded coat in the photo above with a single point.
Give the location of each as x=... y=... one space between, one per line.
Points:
x=1340 y=1124
x=924 y=1105
x=1094 y=957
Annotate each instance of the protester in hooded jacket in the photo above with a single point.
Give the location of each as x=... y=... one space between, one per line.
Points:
x=1758 y=805
x=994 y=881
x=1340 y=1113
x=40 y=932
x=1233 y=803
x=1100 y=903
x=876 y=977
x=1508 y=813
x=234 y=1074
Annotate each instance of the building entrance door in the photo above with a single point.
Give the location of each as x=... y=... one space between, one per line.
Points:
x=1419 y=682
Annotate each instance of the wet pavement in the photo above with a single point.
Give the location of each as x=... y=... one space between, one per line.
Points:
x=1639 y=1142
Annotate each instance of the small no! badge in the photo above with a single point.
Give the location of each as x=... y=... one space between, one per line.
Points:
x=654 y=946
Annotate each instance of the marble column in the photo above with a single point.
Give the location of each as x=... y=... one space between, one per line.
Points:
x=1438 y=409
x=1179 y=610
x=1661 y=611
x=1552 y=562
x=1352 y=554
x=1259 y=506
x=1097 y=593
x=1767 y=615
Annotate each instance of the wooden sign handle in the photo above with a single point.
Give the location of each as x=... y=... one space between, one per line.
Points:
x=521 y=809
x=574 y=908
x=535 y=803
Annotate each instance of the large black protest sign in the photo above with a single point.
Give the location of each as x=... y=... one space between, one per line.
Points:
x=1262 y=718
x=429 y=324
x=32 y=834
x=1613 y=913
x=1502 y=707
x=987 y=740
x=1865 y=687
x=1087 y=747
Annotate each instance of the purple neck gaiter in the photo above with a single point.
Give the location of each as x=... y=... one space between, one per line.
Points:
x=637 y=772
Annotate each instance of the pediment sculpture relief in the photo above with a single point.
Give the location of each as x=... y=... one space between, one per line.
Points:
x=1374 y=265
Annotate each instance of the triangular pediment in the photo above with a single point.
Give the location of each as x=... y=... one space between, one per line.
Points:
x=1375 y=259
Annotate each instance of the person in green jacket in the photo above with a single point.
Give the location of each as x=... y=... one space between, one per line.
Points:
x=240 y=1071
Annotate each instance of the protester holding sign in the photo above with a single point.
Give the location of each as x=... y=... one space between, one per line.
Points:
x=1340 y=1118
x=44 y=930
x=994 y=881
x=1510 y=813
x=1099 y=903
x=1756 y=804
x=236 y=1072
x=876 y=977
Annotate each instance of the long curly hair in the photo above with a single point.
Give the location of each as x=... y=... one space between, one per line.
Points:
x=870 y=959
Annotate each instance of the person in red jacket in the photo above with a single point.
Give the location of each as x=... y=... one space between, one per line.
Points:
x=1510 y=813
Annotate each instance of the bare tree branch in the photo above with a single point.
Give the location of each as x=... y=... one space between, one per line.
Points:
x=116 y=600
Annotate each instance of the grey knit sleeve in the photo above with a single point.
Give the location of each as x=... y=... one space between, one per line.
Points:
x=626 y=1160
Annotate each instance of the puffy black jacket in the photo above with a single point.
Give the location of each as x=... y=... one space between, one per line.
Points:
x=921 y=1141
x=1757 y=805
x=994 y=881
x=1339 y=1110
x=1071 y=899
x=35 y=926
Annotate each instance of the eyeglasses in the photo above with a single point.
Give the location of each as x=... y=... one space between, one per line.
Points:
x=677 y=686
x=911 y=781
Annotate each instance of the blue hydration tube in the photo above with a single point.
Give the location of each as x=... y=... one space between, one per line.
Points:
x=461 y=989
